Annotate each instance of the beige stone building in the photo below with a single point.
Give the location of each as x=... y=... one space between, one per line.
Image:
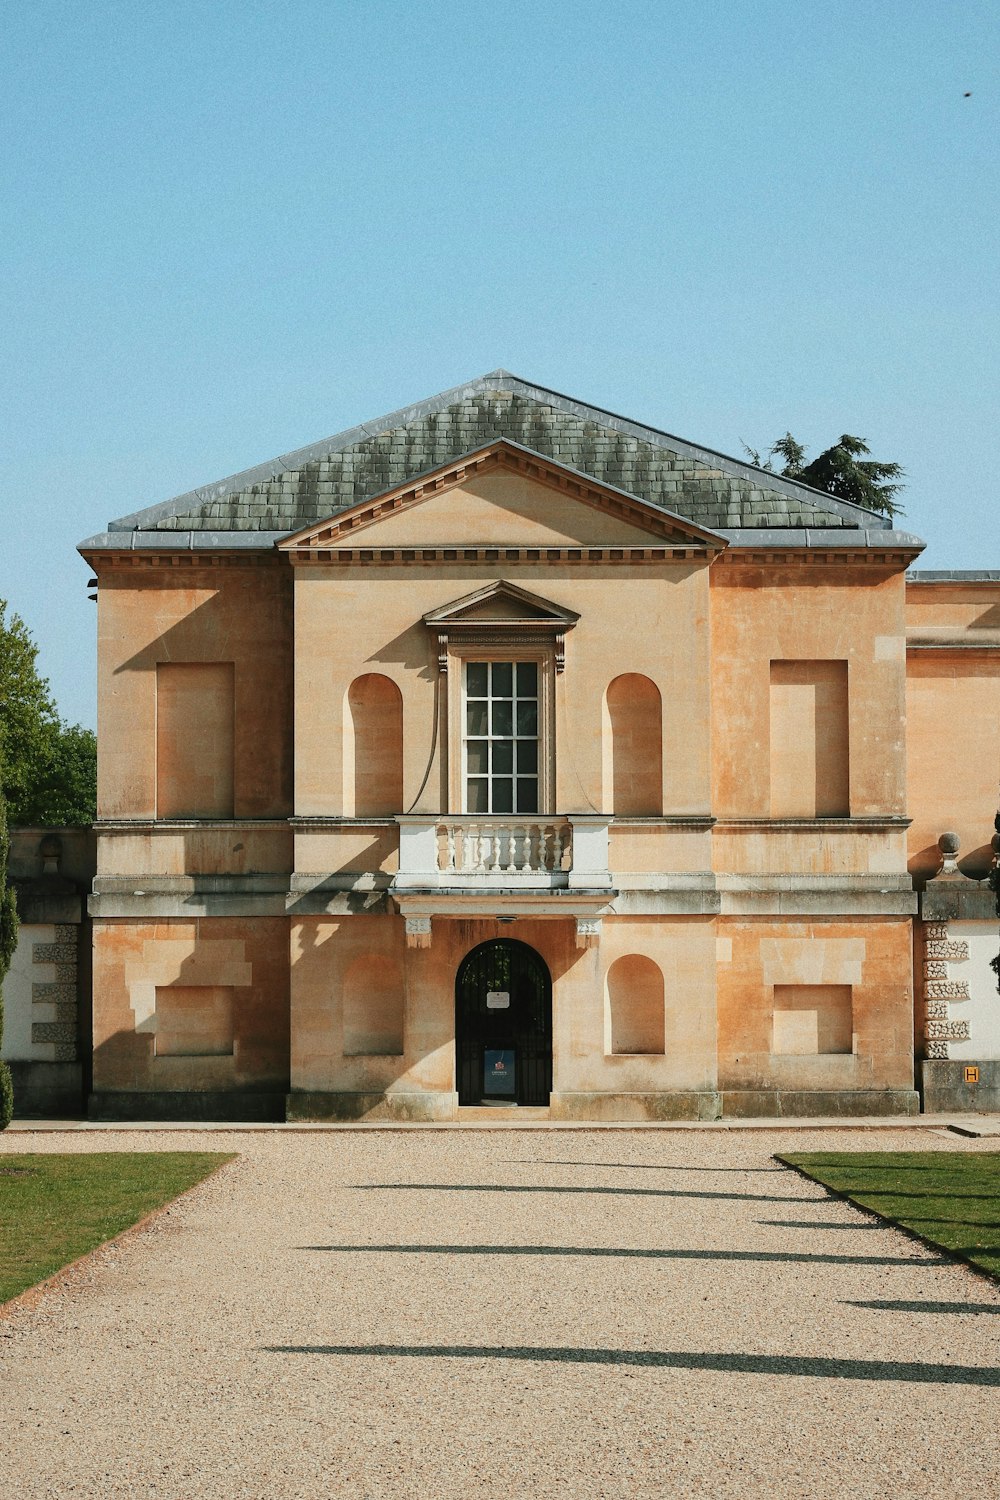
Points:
x=505 y=751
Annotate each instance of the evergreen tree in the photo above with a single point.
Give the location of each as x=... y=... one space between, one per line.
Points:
x=844 y=470
x=8 y=942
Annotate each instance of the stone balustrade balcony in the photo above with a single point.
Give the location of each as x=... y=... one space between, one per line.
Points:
x=503 y=852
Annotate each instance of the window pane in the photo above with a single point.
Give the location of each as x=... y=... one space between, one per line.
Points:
x=527 y=679
x=477 y=797
x=475 y=679
x=503 y=794
x=527 y=794
x=527 y=718
x=502 y=720
x=501 y=713
x=475 y=718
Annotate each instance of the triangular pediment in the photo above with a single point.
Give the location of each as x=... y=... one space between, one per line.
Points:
x=503 y=495
x=501 y=602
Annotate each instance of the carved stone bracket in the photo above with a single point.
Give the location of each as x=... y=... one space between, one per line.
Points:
x=588 y=932
x=418 y=932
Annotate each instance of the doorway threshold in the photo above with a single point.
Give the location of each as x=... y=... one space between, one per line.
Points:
x=510 y=1114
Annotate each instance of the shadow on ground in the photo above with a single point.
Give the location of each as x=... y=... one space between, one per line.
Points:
x=782 y=1256
x=930 y=1307
x=641 y=1166
x=730 y=1364
x=810 y=1224
x=623 y=1192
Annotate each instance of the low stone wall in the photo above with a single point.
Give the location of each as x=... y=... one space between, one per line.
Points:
x=244 y=1106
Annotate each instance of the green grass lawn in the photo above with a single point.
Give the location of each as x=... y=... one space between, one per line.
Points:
x=55 y=1207
x=951 y=1199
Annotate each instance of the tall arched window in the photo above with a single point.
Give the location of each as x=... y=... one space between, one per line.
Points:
x=635 y=1005
x=373 y=749
x=636 y=746
x=373 y=1008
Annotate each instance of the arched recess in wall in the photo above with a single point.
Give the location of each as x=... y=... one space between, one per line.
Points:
x=635 y=1005
x=373 y=747
x=373 y=1007
x=634 y=736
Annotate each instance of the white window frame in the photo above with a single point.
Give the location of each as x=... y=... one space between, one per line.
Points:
x=461 y=652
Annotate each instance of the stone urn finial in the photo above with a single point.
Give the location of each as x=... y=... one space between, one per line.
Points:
x=949 y=845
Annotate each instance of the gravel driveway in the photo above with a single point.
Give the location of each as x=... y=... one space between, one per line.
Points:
x=504 y=1313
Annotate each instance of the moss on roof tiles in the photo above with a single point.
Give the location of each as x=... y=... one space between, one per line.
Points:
x=337 y=480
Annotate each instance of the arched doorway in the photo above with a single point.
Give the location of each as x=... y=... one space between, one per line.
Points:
x=503 y=1025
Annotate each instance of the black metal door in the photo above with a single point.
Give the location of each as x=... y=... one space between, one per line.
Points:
x=503 y=1025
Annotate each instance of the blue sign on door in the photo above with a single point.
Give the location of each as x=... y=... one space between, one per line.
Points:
x=498 y=1071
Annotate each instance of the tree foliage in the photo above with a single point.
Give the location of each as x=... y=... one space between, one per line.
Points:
x=845 y=470
x=49 y=768
x=993 y=880
x=8 y=942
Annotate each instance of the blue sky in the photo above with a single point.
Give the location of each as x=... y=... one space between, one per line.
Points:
x=230 y=230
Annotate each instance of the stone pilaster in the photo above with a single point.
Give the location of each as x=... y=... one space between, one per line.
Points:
x=942 y=989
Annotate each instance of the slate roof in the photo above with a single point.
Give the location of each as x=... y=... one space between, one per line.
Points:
x=298 y=489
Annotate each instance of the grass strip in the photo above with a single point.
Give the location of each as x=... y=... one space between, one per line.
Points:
x=55 y=1207
x=948 y=1199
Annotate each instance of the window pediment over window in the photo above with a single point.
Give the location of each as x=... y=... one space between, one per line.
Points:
x=501 y=614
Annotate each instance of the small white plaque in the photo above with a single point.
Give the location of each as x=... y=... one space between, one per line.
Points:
x=497 y=1000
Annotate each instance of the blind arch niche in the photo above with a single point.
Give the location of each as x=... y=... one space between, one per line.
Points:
x=633 y=747
x=373 y=747
x=635 y=1006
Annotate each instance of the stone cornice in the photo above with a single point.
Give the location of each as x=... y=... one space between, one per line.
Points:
x=704 y=822
x=491 y=554
x=181 y=825
x=178 y=562
x=310 y=822
x=304 y=822
x=888 y=822
x=798 y=552
x=965 y=649
x=810 y=554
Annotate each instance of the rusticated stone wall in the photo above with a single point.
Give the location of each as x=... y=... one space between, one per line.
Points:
x=47 y=991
